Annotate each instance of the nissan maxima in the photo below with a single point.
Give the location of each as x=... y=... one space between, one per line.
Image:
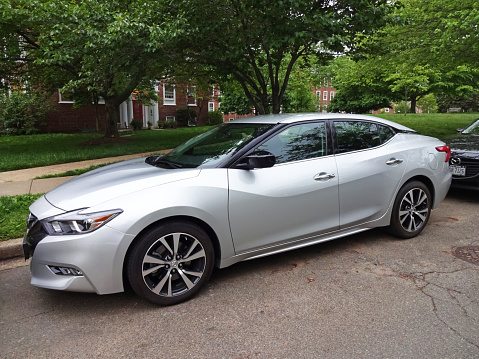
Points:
x=245 y=189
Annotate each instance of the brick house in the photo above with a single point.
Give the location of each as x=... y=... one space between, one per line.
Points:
x=66 y=118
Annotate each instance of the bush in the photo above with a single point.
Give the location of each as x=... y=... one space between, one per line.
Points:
x=23 y=113
x=214 y=117
x=186 y=116
x=402 y=108
x=137 y=124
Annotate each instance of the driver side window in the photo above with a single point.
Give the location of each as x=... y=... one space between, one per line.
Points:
x=298 y=142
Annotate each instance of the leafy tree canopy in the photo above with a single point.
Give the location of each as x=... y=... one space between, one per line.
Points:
x=259 y=41
x=90 y=48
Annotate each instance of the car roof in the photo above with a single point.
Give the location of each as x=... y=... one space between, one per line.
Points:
x=298 y=117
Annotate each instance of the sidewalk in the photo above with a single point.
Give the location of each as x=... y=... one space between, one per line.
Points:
x=19 y=182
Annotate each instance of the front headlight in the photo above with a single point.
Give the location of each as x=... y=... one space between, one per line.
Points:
x=78 y=223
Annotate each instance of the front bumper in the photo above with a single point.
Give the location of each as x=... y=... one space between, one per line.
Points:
x=81 y=263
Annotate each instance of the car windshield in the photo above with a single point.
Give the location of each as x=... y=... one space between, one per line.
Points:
x=472 y=129
x=213 y=146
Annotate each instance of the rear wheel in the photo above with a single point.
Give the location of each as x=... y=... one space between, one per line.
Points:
x=411 y=211
x=170 y=263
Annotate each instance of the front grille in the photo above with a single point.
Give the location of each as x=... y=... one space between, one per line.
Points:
x=472 y=168
x=35 y=233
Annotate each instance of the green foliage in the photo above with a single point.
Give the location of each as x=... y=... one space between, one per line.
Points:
x=402 y=107
x=214 y=118
x=466 y=103
x=359 y=88
x=428 y=104
x=235 y=102
x=299 y=96
x=13 y=215
x=96 y=48
x=258 y=42
x=136 y=123
x=22 y=113
x=186 y=116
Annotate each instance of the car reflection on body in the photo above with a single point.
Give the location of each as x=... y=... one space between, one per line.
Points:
x=242 y=190
x=464 y=162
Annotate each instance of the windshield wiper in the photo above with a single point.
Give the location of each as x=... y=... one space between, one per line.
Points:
x=159 y=160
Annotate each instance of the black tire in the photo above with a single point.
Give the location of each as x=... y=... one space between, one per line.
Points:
x=411 y=211
x=170 y=263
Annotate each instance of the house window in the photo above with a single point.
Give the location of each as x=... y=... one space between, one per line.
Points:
x=231 y=119
x=63 y=98
x=331 y=95
x=325 y=95
x=387 y=110
x=318 y=95
x=170 y=119
x=211 y=106
x=169 y=95
x=191 y=96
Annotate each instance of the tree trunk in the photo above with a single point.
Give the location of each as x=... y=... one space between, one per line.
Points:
x=413 y=104
x=111 y=129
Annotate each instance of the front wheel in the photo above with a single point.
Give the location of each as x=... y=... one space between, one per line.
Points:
x=170 y=263
x=411 y=211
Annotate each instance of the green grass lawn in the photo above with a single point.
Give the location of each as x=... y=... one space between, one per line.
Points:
x=19 y=152
x=440 y=125
x=13 y=215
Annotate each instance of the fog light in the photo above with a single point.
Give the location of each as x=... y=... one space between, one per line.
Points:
x=65 y=271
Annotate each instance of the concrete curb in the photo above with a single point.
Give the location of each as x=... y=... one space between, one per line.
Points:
x=11 y=248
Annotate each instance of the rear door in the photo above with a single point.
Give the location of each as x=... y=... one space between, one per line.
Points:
x=371 y=163
x=296 y=198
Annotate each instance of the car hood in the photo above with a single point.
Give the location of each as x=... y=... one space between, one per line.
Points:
x=112 y=181
x=465 y=146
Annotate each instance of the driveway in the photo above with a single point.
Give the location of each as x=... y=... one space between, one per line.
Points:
x=365 y=296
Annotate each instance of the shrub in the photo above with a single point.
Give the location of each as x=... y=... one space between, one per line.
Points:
x=170 y=124
x=137 y=124
x=214 y=117
x=186 y=116
x=23 y=113
x=402 y=108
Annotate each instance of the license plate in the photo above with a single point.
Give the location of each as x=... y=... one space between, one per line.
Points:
x=458 y=170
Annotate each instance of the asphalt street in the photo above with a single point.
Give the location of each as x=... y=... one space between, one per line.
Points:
x=364 y=296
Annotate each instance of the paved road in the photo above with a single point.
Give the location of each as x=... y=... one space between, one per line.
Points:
x=365 y=296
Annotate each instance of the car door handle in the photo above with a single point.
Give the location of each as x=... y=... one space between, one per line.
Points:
x=394 y=161
x=323 y=176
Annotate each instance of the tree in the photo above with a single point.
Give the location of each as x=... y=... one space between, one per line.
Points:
x=359 y=86
x=259 y=41
x=98 y=48
x=431 y=47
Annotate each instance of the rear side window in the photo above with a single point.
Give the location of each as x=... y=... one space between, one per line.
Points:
x=298 y=142
x=359 y=135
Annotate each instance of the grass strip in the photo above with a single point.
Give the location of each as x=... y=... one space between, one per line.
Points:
x=29 y=151
x=13 y=215
x=76 y=172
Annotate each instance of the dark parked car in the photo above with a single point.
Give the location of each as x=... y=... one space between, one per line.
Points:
x=464 y=162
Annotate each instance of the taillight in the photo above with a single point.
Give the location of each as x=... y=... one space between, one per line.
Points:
x=446 y=149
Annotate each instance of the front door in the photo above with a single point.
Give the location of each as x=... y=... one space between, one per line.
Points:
x=295 y=199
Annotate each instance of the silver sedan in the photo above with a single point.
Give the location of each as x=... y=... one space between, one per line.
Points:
x=242 y=190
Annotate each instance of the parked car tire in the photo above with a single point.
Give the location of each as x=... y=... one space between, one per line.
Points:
x=170 y=263
x=411 y=211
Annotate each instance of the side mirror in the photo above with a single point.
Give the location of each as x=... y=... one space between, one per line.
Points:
x=259 y=159
x=459 y=130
